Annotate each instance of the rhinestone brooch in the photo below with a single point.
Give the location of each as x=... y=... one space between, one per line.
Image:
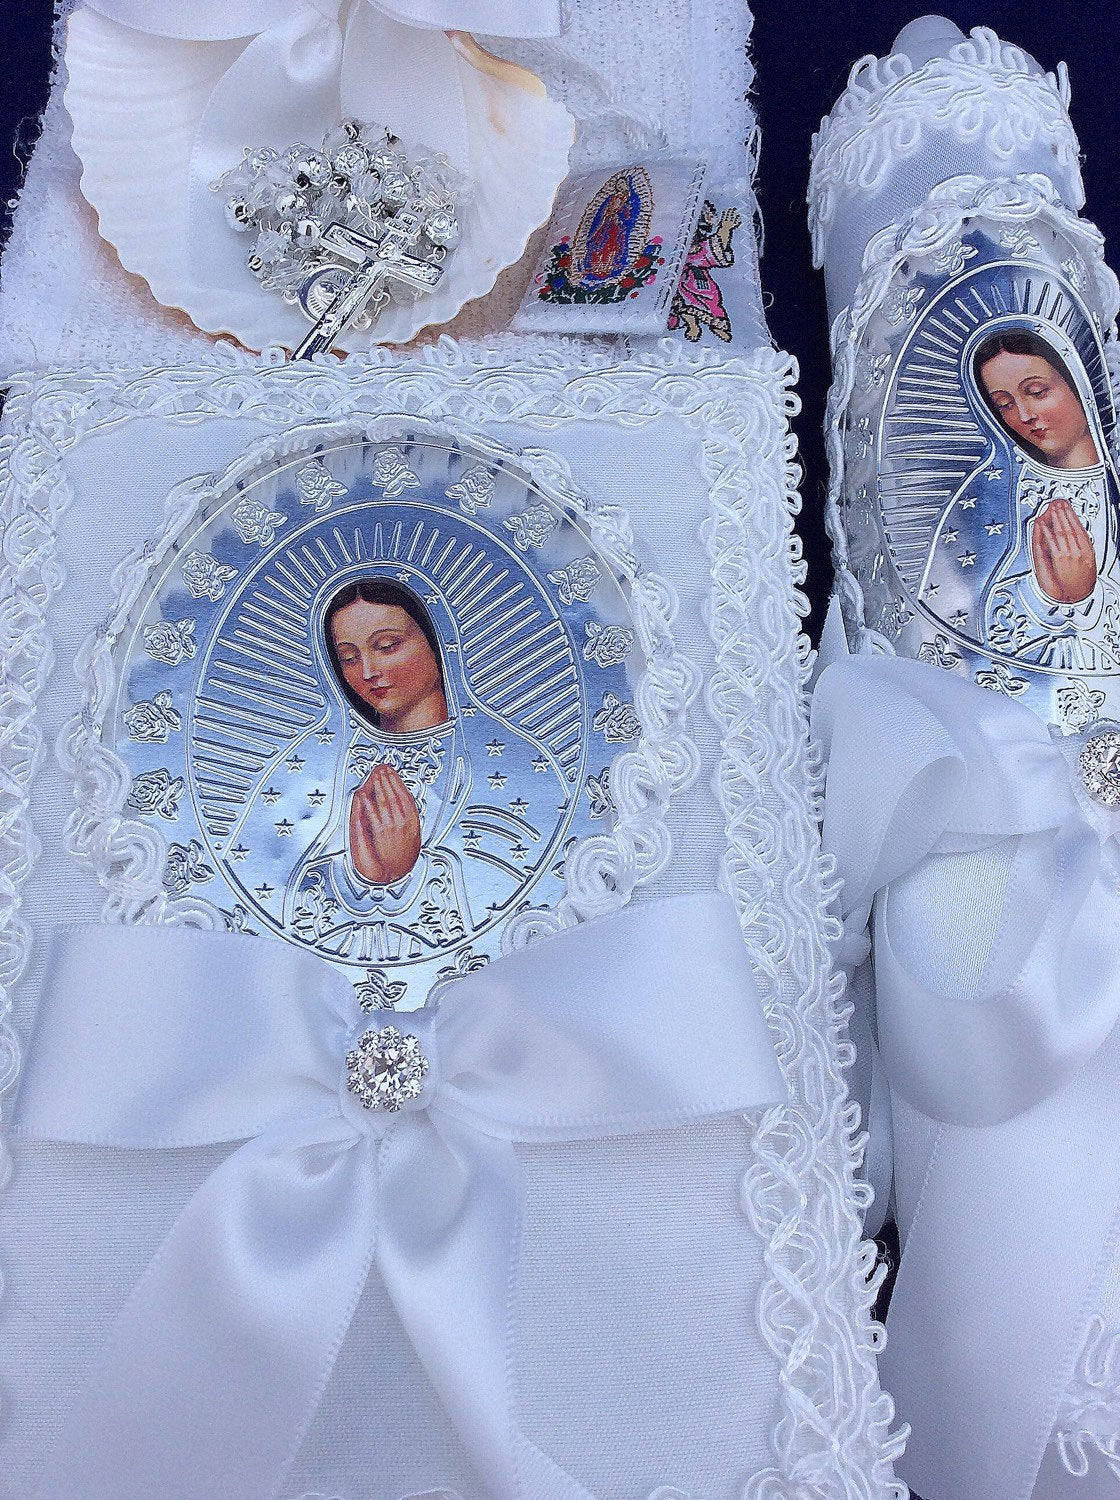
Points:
x=1100 y=767
x=386 y=1070
x=343 y=229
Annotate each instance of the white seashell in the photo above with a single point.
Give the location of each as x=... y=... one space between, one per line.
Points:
x=137 y=98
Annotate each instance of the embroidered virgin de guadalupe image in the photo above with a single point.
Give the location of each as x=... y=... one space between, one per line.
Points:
x=371 y=702
x=616 y=247
x=999 y=502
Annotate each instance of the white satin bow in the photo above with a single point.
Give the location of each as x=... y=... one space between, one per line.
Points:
x=1011 y=1214
x=156 y=1037
x=226 y=20
x=923 y=763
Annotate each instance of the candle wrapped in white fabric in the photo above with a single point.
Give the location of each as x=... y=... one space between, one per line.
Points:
x=975 y=516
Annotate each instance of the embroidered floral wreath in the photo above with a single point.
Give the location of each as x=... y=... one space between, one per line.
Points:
x=558 y=286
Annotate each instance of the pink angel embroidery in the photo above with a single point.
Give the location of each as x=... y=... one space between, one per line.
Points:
x=698 y=301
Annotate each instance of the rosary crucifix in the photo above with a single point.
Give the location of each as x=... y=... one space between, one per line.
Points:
x=378 y=263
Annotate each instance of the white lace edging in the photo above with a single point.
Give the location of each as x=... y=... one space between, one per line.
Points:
x=600 y=871
x=984 y=89
x=1088 y=1420
x=832 y=1435
x=835 y=1422
x=33 y=495
x=889 y=254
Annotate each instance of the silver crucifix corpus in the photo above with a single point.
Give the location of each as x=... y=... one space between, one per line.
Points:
x=377 y=264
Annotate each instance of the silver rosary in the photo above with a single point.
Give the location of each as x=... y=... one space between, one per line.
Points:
x=342 y=230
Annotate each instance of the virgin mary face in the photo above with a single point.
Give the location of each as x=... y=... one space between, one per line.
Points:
x=1038 y=406
x=388 y=662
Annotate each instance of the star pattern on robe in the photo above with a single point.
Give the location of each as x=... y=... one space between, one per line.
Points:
x=958 y=618
x=540 y=763
x=967 y=559
x=949 y=537
x=497 y=781
x=284 y=828
x=325 y=736
x=317 y=797
x=295 y=763
x=270 y=796
x=495 y=747
x=472 y=839
x=519 y=806
x=969 y=503
x=994 y=528
x=264 y=891
x=239 y=852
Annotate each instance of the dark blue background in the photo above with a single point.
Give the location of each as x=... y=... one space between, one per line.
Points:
x=802 y=53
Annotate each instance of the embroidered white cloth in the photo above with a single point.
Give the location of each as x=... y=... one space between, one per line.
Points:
x=163 y=1039
x=676 y=1278
x=952 y=813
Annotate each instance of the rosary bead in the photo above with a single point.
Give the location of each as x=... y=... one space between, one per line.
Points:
x=239 y=214
x=290 y=204
x=396 y=188
x=442 y=229
x=308 y=233
x=351 y=161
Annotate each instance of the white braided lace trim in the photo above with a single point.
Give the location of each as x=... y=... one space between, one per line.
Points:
x=801 y=1193
x=1088 y=1421
x=832 y=1438
x=983 y=90
x=601 y=872
x=929 y=229
x=33 y=495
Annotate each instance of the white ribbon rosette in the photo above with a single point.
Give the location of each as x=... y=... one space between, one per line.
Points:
x=992 y=883
x=165 y=98
x=156 y=1037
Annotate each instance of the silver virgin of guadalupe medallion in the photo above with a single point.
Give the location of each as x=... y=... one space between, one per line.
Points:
x=370 y=697
x=982 y=507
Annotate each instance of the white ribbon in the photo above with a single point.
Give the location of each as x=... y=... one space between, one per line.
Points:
x=308 y=64
x=156 y=1037
x=1015 y=1218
